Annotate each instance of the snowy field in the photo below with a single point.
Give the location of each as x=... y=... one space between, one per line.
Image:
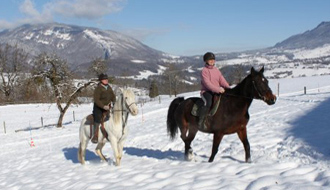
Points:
x=290 y=148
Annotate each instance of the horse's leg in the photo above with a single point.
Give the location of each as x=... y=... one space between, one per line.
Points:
x=217 y=137
x=243 y=137
x=98 y=150
x=82 y=150
x=120 y=151
x=114 y=146
x=79 y=153
x=187 y=140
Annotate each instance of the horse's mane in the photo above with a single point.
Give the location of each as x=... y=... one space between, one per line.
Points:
x=239 y=89
x=117 y=108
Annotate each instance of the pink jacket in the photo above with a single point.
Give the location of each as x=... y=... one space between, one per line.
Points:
x=212 y=79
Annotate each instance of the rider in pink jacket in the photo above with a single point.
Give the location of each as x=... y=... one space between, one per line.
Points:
x=212 y=82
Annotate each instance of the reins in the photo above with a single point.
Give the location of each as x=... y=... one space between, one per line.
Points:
x=125 y=112
x=246 y=96
x=237 y=96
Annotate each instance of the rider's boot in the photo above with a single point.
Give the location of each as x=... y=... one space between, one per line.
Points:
x=202 y=116
x=95 y=132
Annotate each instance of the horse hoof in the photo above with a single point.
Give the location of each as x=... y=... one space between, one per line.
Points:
x=189 y=156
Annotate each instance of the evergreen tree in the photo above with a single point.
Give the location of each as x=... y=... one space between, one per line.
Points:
x=153 y=90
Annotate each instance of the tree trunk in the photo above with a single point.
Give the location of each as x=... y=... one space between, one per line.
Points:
x=60 y=119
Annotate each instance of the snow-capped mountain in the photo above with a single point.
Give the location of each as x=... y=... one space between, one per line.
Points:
x=80 y=45
x=310 y=39
x=303 y=54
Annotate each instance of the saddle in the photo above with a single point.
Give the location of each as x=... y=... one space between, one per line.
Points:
x=199 y=103
x=90 y=122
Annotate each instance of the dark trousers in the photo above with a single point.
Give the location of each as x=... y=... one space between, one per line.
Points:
x=207 y=98
x=97 y=113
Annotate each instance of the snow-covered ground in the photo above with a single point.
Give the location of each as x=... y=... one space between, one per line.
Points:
x=289 y=148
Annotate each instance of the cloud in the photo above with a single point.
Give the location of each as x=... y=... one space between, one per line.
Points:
x=81 y=9
x=27 y=7
x=86 y=9
x=32 y=16
x=5 y=25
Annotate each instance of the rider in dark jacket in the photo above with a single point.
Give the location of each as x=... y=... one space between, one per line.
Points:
x=103 y=97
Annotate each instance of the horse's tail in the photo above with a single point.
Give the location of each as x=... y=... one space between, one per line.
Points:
x=172 y=127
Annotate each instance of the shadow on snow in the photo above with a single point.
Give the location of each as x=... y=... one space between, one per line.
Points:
x=169 y=154
x=314 y=128
x=71 y=154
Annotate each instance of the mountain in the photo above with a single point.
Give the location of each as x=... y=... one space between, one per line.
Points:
x=80 y=45
x=299 y=55
x=310 y=39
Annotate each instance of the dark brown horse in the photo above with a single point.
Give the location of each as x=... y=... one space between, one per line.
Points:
x=232 y=115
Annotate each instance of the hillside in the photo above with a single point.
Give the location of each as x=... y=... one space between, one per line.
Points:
x=300 y=55
x=309 y=51
x=79 y=45
x=310 y=39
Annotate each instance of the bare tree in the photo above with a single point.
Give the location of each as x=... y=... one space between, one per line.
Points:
x=12 y=61
x=174 y=77
x=97 y=67
x=55 y=72
x=239 y=73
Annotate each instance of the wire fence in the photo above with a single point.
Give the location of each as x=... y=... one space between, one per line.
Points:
x=31 y=115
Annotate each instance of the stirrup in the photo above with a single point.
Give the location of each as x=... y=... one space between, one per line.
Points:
x=94 y=139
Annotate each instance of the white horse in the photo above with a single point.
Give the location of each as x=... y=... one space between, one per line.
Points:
x=115 y=128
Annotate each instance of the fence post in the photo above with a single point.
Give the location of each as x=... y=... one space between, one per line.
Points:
x=304 y=89
x=159 y=100
x=4 y=126
x=42 y=122
x=74 y=118
x=278 y=89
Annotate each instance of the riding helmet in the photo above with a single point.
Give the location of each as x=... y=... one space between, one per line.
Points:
x=208 y=56
x=103 y=76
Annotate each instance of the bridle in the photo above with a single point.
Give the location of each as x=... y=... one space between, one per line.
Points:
x=125 y=111
x=255 y=88
x=259 y=94
x=125 y=105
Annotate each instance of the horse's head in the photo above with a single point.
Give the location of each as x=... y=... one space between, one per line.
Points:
x=261 y=88
x=129 y=101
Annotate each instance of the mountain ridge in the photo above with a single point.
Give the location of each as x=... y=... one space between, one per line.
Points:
x=80 y=45
x=126 y=56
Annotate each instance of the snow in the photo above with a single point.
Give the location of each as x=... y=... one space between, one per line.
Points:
x=172 y=56
x=146 y=73
x=172 y=60
x=29 y=36
x=43 y=42
x=57 y=34
x=289 y=147
x=103 y=41
x=297 y=71
x=311 y=53
x=137 y=61
x=258 y=58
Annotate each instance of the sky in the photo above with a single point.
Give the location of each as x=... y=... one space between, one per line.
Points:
x=179 y=27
